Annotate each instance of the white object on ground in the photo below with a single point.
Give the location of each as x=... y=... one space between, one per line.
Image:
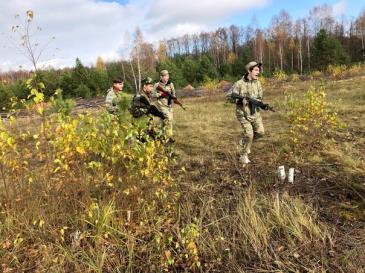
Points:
x=281 y=173
x=291 y=175
x=244 y=159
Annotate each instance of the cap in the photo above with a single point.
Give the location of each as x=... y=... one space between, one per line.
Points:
x=147 y=80
x=117 y=80
x=252 y=64
x=164 y=72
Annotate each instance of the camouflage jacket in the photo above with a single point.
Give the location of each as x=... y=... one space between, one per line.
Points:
x=245 y=87
x=140 y=103
x=113 y=99
x=168 y=87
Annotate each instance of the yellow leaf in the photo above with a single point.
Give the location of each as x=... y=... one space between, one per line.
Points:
x=80 y=150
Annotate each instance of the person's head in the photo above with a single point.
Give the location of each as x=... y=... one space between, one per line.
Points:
x=147 y=85
x=164 y=76
x=253 y=70
x=118 y=85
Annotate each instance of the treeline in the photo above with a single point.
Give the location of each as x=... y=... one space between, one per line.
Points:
x=77 y=82
x=302 y=46
x=286 y=45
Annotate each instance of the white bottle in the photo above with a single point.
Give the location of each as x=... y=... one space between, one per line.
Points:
x=281 y=173
x=291 y=175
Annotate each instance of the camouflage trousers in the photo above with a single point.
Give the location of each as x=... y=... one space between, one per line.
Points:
x=166 y=125
x=253 y=128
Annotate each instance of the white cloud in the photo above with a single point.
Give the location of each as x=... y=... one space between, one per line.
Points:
x=165 y=13
x=91 y=28
x=340 y=8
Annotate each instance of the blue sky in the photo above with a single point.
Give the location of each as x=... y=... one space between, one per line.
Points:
x=90 y=28
x=296 y=9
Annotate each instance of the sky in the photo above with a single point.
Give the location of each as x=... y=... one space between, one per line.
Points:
x=91 y=28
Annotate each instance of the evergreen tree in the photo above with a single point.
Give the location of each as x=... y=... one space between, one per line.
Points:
x=190 y=70
x=327 y=50
x=175 y=72
x=206 y=69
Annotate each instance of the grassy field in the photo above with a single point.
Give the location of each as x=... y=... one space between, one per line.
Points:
x=328 y=191
x=216 y=215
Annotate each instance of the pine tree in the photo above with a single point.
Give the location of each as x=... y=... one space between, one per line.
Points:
x=327 y=50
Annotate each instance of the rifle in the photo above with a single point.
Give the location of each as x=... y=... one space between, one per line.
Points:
x=151 y=109
x=252 y=103
x=170 y=97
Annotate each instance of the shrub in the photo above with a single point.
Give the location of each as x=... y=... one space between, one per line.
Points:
x=336 y=71
x=316 y=74
x=311 y=119
x=61 y=105
x=210 y=85
x=294 y=77
x=355 y=70
x=83 y=91
x=280 y=75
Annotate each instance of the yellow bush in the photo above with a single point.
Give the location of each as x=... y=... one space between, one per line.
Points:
x=210 y=85
x=280 y=75
x=355 y=70
x=294 y=77
x=83 y=181
x=336 y=71
x=311 y=119
x=316 y=74
x=263 y=81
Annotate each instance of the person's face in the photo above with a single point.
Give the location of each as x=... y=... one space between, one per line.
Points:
x=165 y=78
x=118 y=86
x=254 y=73
x=148 y=88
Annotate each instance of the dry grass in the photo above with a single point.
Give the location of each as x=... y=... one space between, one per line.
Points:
x=220 y=217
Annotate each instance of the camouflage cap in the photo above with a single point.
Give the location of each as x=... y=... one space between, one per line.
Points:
x=147 y=80
x=252 y=64
x=164 y=72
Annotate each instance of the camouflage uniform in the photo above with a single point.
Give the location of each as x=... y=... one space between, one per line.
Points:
x=251 y=123
x=140 y=105
x=145 y=110
x=164 y=106
x=111 y=101
x=117 y=101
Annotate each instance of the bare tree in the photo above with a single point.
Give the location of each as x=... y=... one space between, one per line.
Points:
x=25 y=42
x=161 y=51
x=298 y=29
x=234 y=36
x=185 y=40
x=281 y=26
x=321 y=18
x=195 y=41
x=360 y=29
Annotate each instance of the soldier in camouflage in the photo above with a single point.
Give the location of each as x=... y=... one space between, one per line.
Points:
x=142 y=107
x=142 y=102
x=163 y=91
x=115 y=97
x=251 y=123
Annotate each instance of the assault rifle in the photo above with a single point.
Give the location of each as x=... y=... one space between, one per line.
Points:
x=170 y=97
x=151 y=109
x=253 y=104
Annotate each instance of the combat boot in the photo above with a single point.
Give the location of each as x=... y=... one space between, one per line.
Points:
x=244 y=159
